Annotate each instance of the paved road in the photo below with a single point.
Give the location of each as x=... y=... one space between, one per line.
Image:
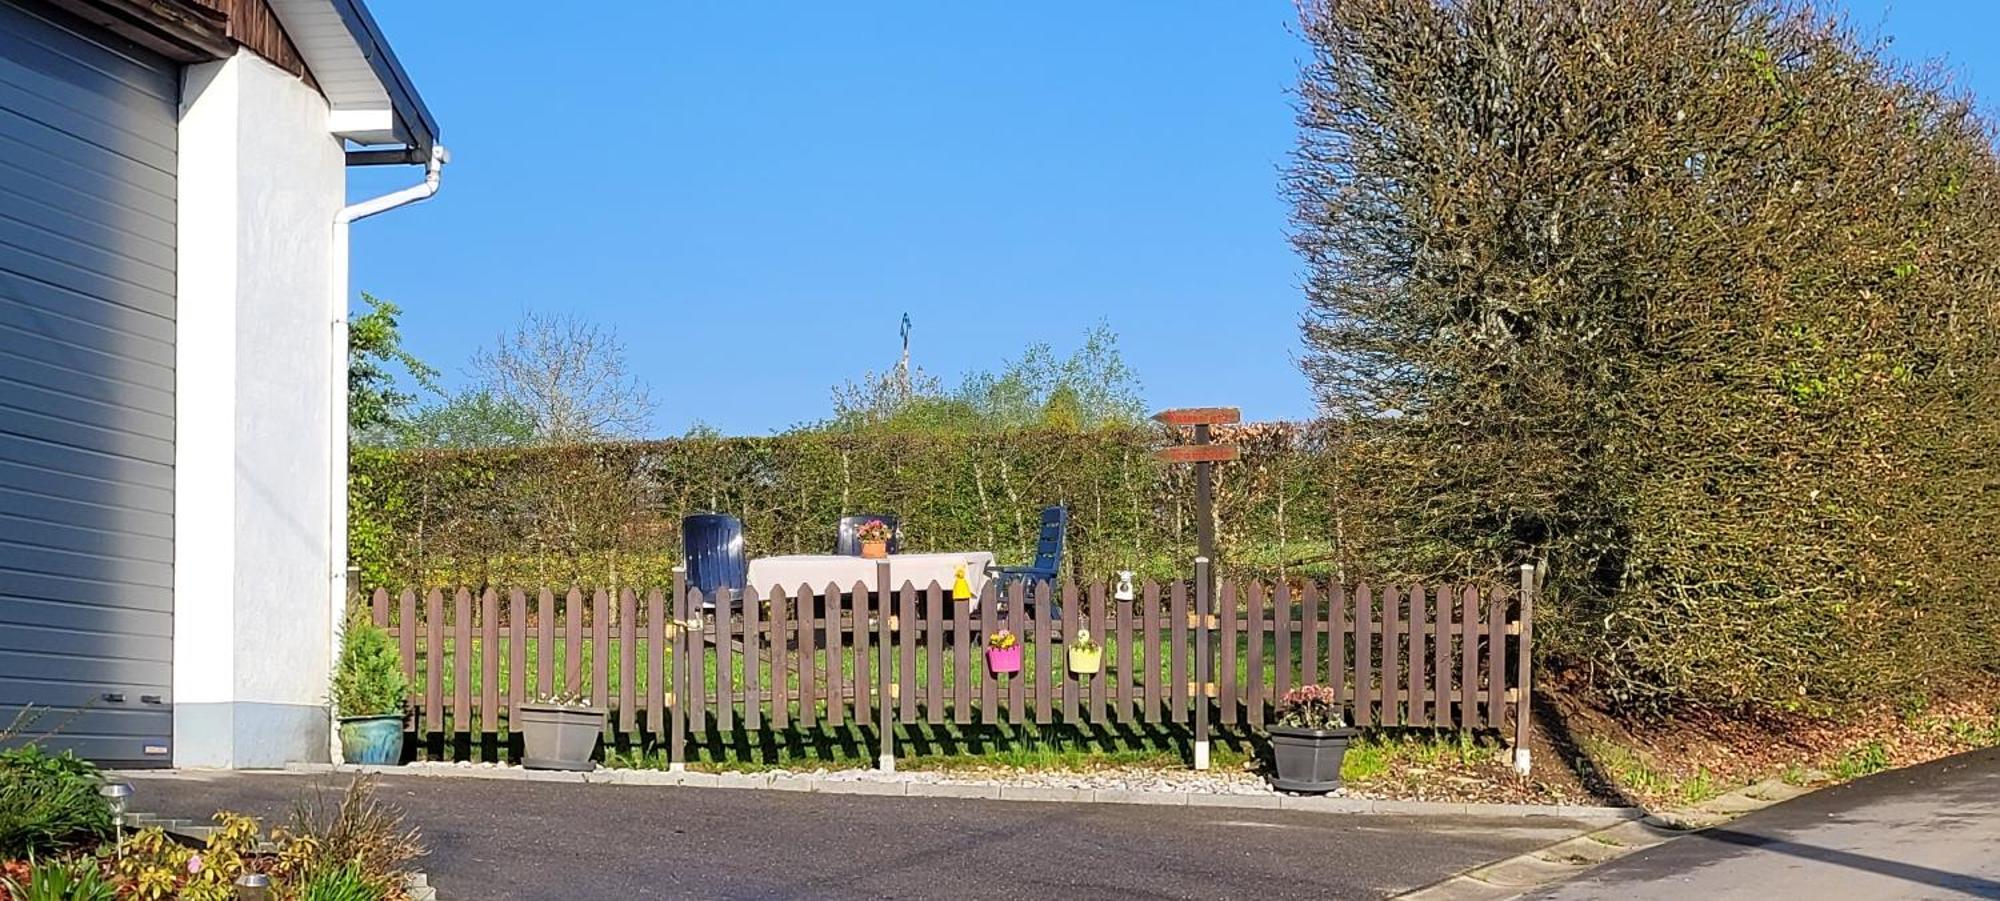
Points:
x=493 y=839
x=1931 y=831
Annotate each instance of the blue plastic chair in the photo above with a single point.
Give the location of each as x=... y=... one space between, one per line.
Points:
x=716 y=563
x=848 y=544
x=1039 y=575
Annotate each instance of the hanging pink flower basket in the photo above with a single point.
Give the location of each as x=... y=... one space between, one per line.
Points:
x=1004 y=660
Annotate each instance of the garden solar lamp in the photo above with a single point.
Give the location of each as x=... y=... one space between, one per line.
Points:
x=118 y=793
x=1124 y=592
x=961 y=590
x=253 y=887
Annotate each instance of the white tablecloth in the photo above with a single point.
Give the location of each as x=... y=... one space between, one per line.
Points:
x=817 y=570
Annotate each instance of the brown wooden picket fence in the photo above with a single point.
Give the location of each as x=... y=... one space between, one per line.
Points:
x=1455 y=657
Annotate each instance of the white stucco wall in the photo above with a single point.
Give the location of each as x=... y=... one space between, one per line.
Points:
x=260 y=181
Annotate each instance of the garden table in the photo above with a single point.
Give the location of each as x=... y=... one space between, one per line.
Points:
x=787 y=573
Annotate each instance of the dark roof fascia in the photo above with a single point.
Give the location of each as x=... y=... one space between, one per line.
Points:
x=181 y=31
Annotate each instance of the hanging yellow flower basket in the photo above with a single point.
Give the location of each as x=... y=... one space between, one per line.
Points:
x=1085 y=655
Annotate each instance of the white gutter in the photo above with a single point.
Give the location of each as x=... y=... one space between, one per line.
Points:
x=337 y=405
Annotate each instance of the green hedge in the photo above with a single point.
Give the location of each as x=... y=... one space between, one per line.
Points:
x=609 y=514
x=1699 y=302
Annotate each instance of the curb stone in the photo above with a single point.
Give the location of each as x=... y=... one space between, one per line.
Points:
x=1523 y=872
x=1043 y=793
x=1133 y=796
x=1265 y=802
x=859 y=787
x=1582 y=851
x=951 y=790
x=1568 y=858
x=1325 y=804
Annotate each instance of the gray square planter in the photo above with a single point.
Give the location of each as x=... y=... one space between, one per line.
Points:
x=554 y=737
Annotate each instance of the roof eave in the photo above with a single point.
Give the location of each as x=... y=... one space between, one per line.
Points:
x=413 y=125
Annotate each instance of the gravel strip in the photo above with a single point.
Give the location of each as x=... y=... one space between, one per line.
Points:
x=1110 y=786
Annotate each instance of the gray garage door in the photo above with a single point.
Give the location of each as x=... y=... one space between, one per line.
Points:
x=87 y=142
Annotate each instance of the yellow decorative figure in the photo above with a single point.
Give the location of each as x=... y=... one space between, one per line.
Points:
x=961 y=590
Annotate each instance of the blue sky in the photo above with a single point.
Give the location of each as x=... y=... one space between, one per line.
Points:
x=753 y=194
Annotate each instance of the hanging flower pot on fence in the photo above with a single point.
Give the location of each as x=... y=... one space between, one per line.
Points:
x=1003 y=652
x=1085 y=654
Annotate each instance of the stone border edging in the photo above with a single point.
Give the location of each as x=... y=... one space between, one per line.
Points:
x=907 y=789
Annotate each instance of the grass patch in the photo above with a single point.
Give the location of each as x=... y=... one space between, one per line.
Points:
x=1640 y=777
x=1375 y=754
x=946 y=748
x=1973 y=733
x=1871 y=757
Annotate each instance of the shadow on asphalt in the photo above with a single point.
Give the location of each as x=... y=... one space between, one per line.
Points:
x=1908 y=872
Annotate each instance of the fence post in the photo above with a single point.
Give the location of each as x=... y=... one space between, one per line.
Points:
x=677 y=682
x=885 y=713
x=1204 y=666
x=1524 y=662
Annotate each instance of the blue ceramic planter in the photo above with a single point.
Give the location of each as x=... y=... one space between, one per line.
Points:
x=376 y=740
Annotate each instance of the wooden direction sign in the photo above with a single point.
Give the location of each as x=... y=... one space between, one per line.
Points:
x=1199 y=453
x=1204 y=456
x=1200 y=416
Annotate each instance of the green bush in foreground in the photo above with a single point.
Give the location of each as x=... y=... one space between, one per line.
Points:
x=368 y=678
x=48 y=803
x=72 y=879
x=343 y=883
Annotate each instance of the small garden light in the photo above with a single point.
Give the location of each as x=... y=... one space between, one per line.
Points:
x=253 y=887
x=118 y=793
x=1124 y=592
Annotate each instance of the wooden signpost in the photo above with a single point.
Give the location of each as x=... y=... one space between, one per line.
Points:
x=1204 y=455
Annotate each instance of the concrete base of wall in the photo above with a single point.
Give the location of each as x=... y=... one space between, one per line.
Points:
x=249 y=735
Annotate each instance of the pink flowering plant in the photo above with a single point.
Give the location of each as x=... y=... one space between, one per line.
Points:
x=1312 y=707
x=873 y=530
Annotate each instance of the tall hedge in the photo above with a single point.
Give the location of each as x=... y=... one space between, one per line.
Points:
x=1698 y=301
x=609 y=514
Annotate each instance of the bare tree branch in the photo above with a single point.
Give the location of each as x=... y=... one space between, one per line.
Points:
x=569 y=375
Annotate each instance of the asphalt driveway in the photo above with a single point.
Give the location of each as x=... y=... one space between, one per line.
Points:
x=493 y=839
x=1930 y=831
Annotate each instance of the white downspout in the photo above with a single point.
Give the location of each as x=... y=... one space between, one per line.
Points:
x=336 y=540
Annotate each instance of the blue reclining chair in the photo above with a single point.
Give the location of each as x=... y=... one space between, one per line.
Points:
x=716 y=563
x=1042 y=574
x=848 y=544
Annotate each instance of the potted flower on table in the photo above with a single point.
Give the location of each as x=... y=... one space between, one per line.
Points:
x=874 y=535
x=1309 y=740
x=1003 y=652
x=369 y=691
x=558 y=732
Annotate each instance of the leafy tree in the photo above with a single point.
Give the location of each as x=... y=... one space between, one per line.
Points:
x=892 y=402
x=568 y=376
x=1089 y=390
x=1695 y=301
x=375 y=355
x=468 y=420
